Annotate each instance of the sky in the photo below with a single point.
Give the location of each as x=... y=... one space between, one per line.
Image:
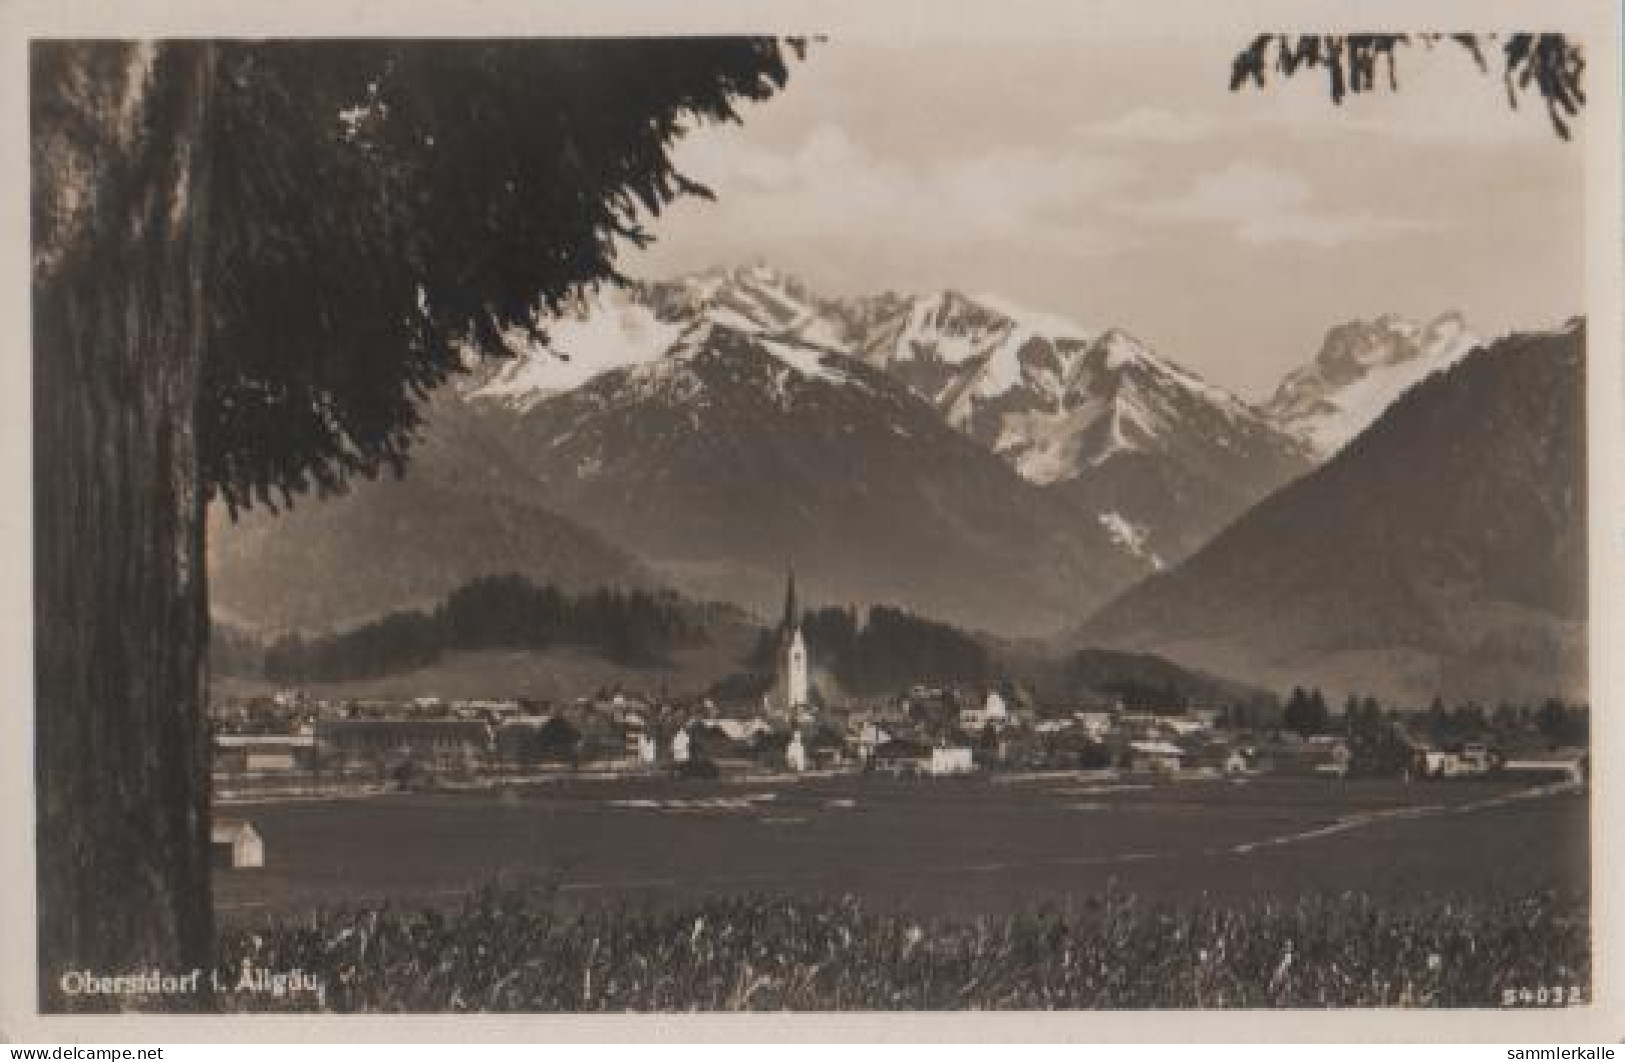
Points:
x=1119 y=182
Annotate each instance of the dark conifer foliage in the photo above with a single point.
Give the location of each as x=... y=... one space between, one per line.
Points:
x=890 y=649
x=382 y=209
x=1550 y=63
x=498 y=612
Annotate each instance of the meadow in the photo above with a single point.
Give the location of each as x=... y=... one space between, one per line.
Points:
x=846 y=893
x=510 y=950
x=949 y=848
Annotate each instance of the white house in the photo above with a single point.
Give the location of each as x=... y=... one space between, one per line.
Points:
x=795 y=754
x=1095 y=724
x=679 y=747
x=993 y=712
x=870 y=737
x=741 y=729
x=1569 y=765
x=955 y=760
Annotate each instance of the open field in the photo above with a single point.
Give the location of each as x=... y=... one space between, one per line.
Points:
x=942 y=848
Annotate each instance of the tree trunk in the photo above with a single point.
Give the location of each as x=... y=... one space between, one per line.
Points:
x=121 y=754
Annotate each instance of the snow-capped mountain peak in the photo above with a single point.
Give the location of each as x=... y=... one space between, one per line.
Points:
x=1118 y=349
x=1362 y=366
x=607 y=329
x=1064 y=405
x=709 y=350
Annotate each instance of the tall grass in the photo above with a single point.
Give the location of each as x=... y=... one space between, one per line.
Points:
x=514 y=950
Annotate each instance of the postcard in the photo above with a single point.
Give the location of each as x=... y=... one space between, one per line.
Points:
x=933 y=516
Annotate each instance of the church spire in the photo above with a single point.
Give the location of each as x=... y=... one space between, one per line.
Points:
x=792 y=613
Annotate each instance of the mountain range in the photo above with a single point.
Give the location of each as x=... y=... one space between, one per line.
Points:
x=734 y=454
x=998 y=468
x=1157 y=457
x=1441 y=551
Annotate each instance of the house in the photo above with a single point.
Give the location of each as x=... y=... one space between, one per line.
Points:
x=478 y=708
x=434 y=745
x=826 y=750
x=1155 y=757
x=1095 y=724
x=1183 y=727
x=993 y=712
x=1454 y=761
x=1334 y=759
x=901 y=756
x=742 y=731
x=1223 y=758
x=264 y=753
x=514 y=740
x=235 y=843
x=870 y=737
x=1305 y=757
x=1569 y=765
x=952 y=759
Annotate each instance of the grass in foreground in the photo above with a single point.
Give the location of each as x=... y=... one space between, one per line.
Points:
x=512 y=951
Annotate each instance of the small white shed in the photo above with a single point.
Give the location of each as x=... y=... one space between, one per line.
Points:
x=236 y=843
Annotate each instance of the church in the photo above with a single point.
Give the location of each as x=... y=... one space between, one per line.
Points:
x=792 y=690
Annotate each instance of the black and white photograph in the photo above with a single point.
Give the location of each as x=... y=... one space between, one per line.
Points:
x=1078 y=517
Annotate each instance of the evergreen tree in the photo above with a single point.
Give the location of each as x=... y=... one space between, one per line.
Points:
x=1296 y=715
x=1320 y=715
x=252 y=262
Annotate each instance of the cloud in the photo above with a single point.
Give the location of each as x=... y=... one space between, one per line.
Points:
x=1156 y=126
x=1439 y=102
x=826 y=186
x=1263 y=204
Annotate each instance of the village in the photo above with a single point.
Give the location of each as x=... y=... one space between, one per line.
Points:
x=294 y=744
x=295 y=741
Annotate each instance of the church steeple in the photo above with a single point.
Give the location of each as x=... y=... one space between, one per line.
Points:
x=792 y=612
x=792 y=688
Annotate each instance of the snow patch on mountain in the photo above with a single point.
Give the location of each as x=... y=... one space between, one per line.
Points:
x=1038 y=322
x=603 y=331
x=1130 y=537
x=1118 y=350
x=807 y=361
